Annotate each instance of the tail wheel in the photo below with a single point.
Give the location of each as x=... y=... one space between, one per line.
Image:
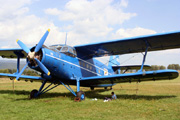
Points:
x=81 y=95
x=33 y=94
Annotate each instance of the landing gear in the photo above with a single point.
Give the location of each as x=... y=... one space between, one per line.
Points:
x=92 y=88
x=111 y=88
x=81 y=95
x=34 y=94
x=107 y=88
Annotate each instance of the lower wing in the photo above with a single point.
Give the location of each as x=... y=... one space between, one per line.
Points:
x=23 y=77
x=130 y=77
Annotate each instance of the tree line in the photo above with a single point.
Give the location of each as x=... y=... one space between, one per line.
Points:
x=161 y=67
x=26 y=72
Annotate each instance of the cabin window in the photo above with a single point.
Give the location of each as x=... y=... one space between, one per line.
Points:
x=83 y=64
x=87 y=66
x=90 y=67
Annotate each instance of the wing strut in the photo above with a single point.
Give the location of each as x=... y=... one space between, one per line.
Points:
x=19 y=56
x=69 y=88
x=144 y=58
x=18 y=64
x=36 y=93
x=78 y=84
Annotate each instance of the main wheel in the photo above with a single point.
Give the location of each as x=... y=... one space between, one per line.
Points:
x=33 y=94
x=81 y=95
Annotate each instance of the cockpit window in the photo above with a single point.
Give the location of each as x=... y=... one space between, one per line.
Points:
x=74 y=51
x=71 y=50
x=59 y=48
x=68 y=50
x=64 y=49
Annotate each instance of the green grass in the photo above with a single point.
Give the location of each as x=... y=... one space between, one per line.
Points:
x=158 y=100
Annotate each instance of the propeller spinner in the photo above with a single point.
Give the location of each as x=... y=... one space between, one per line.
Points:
x=32 y=55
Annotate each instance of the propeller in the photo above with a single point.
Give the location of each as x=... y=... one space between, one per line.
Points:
x=42 y=67
x=23 y=46
x=31 y=55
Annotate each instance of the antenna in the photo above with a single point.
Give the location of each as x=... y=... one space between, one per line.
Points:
x=66 y=38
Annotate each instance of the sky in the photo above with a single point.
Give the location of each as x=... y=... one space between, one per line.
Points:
x=90 y=21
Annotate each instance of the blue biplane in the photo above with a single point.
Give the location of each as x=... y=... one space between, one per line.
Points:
x=66 y=65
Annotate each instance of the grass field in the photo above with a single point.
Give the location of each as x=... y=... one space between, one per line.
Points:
x=158 y=100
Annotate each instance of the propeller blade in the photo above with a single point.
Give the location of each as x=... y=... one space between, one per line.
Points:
x=43 y=68
x=41 y=42
x=23 y=46
x=19 y=74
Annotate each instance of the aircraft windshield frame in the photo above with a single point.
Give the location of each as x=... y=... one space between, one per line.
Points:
x=68 y=50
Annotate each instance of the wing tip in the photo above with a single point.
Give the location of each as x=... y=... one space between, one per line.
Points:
x=48 y=73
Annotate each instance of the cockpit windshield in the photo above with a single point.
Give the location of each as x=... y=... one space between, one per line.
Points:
x=64 y=49
x=68 y=50
x=59 y=48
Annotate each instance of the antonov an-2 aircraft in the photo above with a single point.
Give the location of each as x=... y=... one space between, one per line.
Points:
x=66 y=65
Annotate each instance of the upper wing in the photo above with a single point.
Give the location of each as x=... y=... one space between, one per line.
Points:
x=131 y=45
x=12 y=53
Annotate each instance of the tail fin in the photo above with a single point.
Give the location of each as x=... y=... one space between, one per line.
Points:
x=114 y=61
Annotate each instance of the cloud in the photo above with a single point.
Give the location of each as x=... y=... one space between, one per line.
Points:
x=94 y=18
x=15 y=23
x=29 y=29
x=95 y=10
x=90 y=21
x=52 y=11
x=132 y=32
x=13 y=8
x=124 y=3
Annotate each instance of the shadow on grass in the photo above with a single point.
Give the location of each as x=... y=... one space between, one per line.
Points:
x=89 y=94
x=95 y=94
x=46 y=95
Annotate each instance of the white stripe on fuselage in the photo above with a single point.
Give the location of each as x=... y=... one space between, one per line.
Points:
x=72 y=64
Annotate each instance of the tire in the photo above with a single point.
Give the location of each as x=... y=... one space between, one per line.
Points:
x=33 y=94
x=81 y=95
